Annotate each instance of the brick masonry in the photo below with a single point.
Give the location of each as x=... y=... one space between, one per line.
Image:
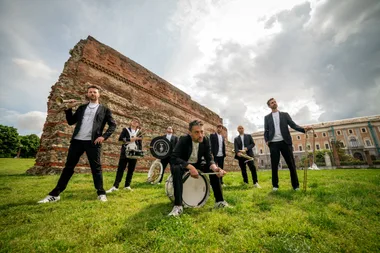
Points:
x=129 y=90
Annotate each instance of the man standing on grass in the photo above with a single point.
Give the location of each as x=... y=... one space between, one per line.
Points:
x=88 y=136
x=218 y=148
x=278 y=139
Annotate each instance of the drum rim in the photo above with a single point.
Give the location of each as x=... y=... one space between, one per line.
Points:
x=206 y=196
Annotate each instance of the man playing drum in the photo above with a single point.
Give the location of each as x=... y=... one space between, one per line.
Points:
x=133 y=143
x=187 y=157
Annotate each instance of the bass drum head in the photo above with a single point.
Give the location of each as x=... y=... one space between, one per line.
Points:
x=196 y=191
x=169 y=188
x=160 y=147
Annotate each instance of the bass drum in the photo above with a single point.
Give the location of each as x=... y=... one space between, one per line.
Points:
x=196 y=191
x=160 y=147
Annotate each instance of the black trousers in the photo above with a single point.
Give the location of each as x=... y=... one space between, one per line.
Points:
x=164 y=163
x=219 y=160
x=76 y=150
x=252 y=168
x=287 y=152
x=120 y=171
x=177 y=174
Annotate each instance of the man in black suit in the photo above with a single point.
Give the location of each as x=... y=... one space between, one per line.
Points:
x=173 y=141
x=277 y=137
x=243 y=145
x=131 y=139
x=187 y=156
x=88 y=136
x=218 y=148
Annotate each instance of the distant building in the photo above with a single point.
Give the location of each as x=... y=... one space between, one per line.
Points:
x=358 y=135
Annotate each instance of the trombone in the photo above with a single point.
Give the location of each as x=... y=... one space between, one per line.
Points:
x=249 y=158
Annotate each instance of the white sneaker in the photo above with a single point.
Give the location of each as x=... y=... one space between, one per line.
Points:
x=222 y=204
x=48 y=199
x=112 y=189
x=102 y=198
x=257 y=186
x=275 y=189
x=128 y=188
x=177 y=211
x=297 y=189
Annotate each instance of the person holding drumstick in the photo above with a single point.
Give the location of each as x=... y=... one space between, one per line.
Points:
x=129 y=137
x=187 y=157
x=88 y=136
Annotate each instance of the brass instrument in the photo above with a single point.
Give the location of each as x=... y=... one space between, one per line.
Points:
x=249 y=158
x=63 y=102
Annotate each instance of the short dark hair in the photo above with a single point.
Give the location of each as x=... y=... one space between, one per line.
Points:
x=92 y=86
x=219 y=126
x=195 y=123
x=269 y=101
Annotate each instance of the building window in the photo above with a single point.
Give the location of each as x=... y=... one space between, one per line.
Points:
x=262 y=162
x=298 y=137
x=327 y=146
x=300 y=148
x=338 y=132
x=353 y=142
x=350 y=131
x=261 y=151
x=364 y=130
x=317 y=146
x=315 y=135
x=324 y=134
x=308 y=147
x=368 y=143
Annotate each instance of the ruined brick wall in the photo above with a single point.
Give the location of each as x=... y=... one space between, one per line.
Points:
x=129 y=90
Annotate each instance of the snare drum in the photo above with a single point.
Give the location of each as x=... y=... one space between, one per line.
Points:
x=134 y=154
x=196 y=191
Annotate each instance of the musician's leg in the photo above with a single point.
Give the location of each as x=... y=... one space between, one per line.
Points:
x=120 y=171
x=274 y=159
x=216 y=187
x=164 y=163
x=93 y=155
x=177 y=174
x=243 y=170
x=219 y=160
x=287 y=153
x=131 y=169
x=252 y=168
x=76 y=150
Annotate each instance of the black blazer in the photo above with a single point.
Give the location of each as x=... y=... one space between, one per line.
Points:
x=248 y=143
x=173 y=141
x=285 y=121
x=124 y=136
x=103 y=115
x=182 y=152
x=215 y=145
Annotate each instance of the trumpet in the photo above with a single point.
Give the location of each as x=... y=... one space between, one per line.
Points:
x=63 y=102
x=249 y=158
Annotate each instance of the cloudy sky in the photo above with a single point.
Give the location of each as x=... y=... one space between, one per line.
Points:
x=320 y=58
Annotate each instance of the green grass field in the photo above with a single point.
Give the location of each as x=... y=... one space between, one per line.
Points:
x=340 y=212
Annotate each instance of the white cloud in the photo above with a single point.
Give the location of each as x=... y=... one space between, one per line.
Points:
x=35 y=69
x=26 y=123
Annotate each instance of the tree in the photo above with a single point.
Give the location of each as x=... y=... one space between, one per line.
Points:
x=29 y=145
x=9 y=141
